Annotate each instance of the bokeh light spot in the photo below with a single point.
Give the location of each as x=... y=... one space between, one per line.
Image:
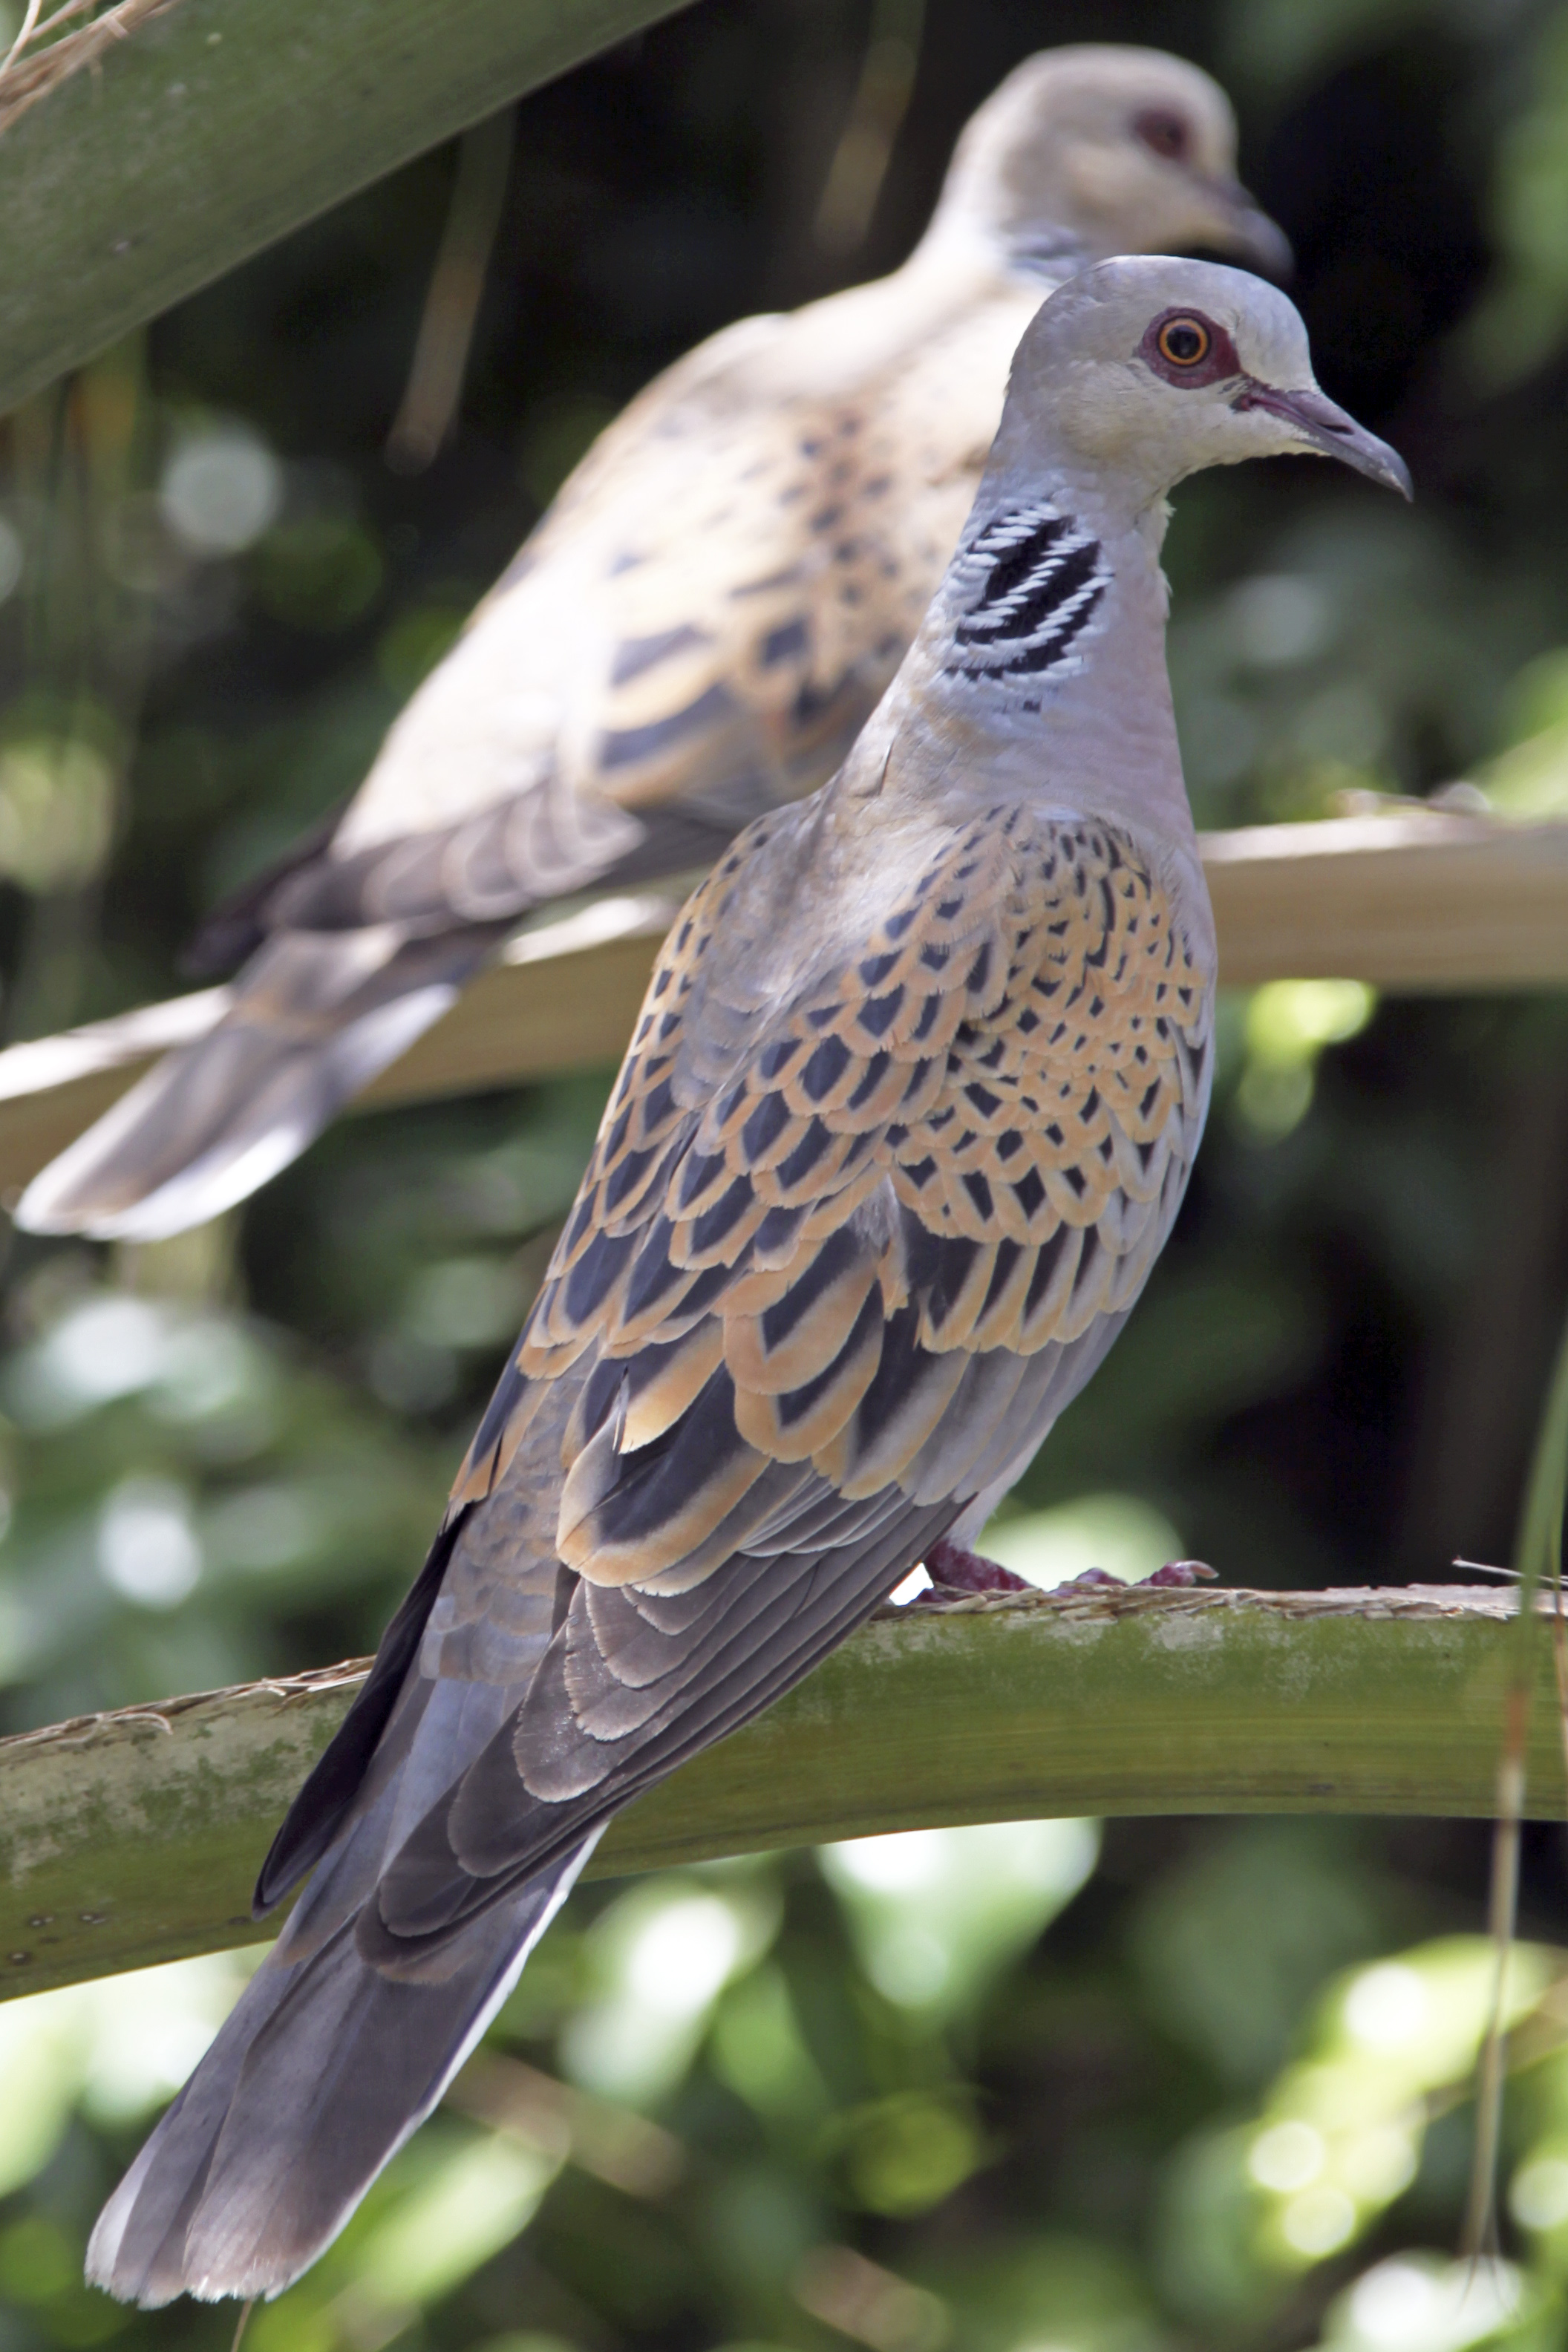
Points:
x=1287 y=2156
x=1387 y=2007
x=1319 y=2221
x=221 y=490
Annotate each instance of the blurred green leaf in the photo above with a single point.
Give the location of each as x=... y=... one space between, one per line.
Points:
x=1522 y=319
x=320 y=571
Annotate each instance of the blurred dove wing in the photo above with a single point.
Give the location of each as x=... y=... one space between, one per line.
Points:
x=695 y=633
x=860 y=1219
x=726 y=585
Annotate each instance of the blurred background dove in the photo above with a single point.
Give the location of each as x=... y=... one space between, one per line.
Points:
x=714 y=603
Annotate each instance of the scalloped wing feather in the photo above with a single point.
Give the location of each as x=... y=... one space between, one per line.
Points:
x=990 y=1113
x=821 y=1264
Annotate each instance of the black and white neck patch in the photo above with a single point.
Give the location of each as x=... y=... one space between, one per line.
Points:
x=1039 y=578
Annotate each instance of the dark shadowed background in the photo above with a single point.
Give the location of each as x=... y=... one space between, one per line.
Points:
x=862 y=2097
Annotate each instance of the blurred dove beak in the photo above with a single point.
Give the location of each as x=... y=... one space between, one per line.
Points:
x=1248 y=231
x=1331 y=433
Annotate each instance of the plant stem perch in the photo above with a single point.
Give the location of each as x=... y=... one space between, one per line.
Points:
x=1412 y=901
x=133 y=1838
x=211 y=131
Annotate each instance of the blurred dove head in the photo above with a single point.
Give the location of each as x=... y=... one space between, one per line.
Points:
x=1106 y=150
x=1144 y=369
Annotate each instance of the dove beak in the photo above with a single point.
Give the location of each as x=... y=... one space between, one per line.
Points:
x=1328 y=431
x=1242 y=226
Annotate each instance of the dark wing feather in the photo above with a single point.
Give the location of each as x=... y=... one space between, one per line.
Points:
x=239 y=924
x=493 y=867
x=317 y=1813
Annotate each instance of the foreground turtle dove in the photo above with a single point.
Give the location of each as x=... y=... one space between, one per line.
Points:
x=694 y=634
x=908 y=1113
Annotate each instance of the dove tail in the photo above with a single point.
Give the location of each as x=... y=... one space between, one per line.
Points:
x=323 y=2071
x=315 y=1016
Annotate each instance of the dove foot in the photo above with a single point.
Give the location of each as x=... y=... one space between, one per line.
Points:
x=953 y=1570
x=1180 y=1573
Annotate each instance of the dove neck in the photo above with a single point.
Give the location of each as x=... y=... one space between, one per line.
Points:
x=964 y=238
x=1041 y=663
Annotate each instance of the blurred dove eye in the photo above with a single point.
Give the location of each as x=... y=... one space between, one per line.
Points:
x=1167 y=134
x=1185 y=342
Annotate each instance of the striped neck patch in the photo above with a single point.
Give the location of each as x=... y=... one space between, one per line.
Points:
x=1037 y=578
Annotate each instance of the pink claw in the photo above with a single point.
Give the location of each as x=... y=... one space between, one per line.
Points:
x=1183 y=1573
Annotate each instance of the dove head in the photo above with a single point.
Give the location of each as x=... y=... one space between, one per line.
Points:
x=1143 y=371
x=1095 y=150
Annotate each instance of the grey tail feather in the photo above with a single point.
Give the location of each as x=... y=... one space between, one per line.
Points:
x=323 y=2069
x=315 y=1016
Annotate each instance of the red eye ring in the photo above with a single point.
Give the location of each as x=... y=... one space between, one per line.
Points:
x=1184 y=341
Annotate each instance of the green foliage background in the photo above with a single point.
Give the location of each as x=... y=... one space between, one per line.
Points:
x=1192 y=2085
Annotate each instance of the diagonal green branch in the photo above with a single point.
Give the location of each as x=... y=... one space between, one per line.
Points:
x=132 y=1837
x=217 y=126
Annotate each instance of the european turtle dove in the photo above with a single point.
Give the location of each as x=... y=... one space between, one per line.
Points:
x=908 y=1113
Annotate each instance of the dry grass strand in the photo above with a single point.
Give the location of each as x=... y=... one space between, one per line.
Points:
x=36 y=63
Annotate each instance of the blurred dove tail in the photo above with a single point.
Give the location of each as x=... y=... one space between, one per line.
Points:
x=323 y=2069
x=314 y=1018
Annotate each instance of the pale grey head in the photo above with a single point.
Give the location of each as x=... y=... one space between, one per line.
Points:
x=1144 y=369
x=1107 y=150
x=1046 y=639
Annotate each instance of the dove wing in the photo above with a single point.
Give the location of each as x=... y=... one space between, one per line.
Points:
x=700 y=625
x=833 y=1269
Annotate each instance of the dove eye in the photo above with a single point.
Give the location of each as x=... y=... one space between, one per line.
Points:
x=1184 y=342
x=1166 y=133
